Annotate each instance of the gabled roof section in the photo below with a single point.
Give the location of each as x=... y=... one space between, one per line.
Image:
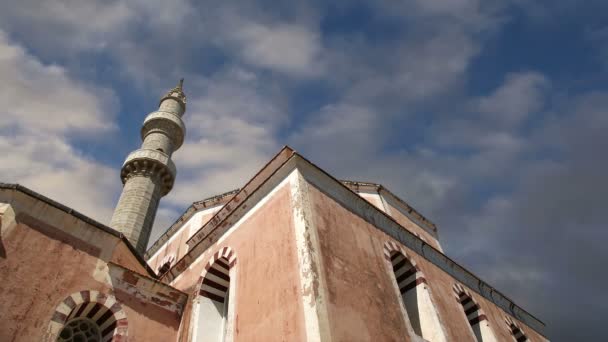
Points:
x=235 y=202
x=82 y=217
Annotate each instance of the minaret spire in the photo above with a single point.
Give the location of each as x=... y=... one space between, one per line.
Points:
x=148 y=173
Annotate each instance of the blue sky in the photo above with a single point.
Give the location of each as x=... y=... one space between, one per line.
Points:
x=489 y=117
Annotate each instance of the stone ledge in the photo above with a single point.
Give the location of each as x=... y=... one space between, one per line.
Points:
x=150 y=161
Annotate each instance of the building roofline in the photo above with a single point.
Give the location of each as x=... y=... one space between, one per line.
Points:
x=254 y=183
x=82 y=217
x=418 y=217
x=188 y=213
x=196 y=206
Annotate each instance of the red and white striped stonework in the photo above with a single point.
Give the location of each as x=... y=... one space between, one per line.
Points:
x=216 y=280
x=472 y=310
x=102 y=308
x=406 y=271
x=516 y=331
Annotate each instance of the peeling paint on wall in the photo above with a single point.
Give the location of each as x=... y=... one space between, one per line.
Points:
x=311 y=276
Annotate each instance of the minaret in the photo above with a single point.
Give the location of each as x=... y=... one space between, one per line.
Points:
x=148 y=173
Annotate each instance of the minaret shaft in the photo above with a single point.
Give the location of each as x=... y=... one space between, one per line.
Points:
x=136 y=209
x=148 y=173
x=158 y=141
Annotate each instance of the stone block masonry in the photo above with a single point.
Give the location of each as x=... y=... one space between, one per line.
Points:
x=148 y=173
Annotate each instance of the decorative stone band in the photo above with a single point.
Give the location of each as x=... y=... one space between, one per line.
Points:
x=150 y=163
x=216 y=280
x=408 y=274
x=472 y=310
x=167 y=123
x=178 y=95
x=515 y=330
x=101 y=308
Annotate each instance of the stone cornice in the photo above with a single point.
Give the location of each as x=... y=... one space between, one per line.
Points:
x=150 y=163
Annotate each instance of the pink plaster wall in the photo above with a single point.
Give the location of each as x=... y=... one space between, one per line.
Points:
x=41 y=266
x=267 y=301
x=177 y=245
x=363 y=305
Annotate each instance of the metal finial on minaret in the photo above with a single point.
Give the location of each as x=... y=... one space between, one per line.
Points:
x=176 y=93
x=148 y=173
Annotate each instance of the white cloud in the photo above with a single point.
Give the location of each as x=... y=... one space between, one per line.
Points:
x=338 y=134
x=37 y=97
x=42 y=108
x=48 y=165
x=520 y=95
x=62 y=27
x=292 y=49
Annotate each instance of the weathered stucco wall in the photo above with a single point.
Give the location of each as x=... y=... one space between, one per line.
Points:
x=361 y=299
x=122 y=255
x=176 y=247
x=268 y=302
x=41 y=265
x=362 y=302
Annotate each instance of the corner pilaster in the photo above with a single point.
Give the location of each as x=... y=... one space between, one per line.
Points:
x=312 y=276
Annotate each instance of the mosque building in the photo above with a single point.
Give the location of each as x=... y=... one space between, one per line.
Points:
x=293 y=255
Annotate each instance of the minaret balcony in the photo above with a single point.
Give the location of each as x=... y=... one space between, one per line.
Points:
x=150 y=163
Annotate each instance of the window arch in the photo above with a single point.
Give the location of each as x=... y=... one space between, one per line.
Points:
x=88 y=316
x=214 y=308
x=165 y=264
x=475 y=315
x=517 y=333
x=415 y=294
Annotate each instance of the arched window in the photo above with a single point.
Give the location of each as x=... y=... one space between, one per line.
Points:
x=477 y=319
x=415 y=295
x=88 y=322
x=80 y=329
x=166 y=264
x=88 y=316
x=164 y=268
x=516 y=331
x=214 y=314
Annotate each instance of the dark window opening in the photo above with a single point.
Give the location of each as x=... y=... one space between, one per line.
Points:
x=164 y=268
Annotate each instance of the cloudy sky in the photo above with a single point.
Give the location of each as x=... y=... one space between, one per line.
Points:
x=490 y=117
